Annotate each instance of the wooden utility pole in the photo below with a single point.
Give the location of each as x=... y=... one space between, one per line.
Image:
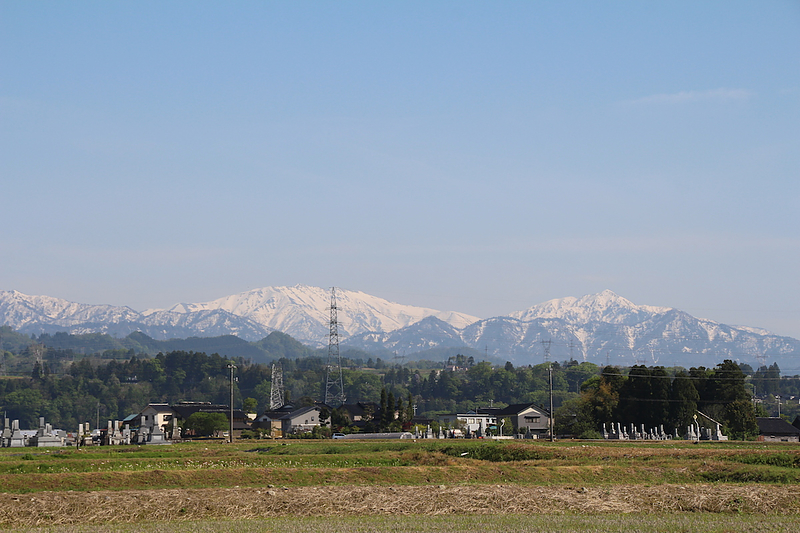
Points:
x=230 y=434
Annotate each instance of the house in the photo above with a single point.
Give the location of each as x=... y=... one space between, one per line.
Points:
x=524 y=417
x=472 y=422
x=156 y=414
x=270 y=421
x=301 y=420
x=777 y=430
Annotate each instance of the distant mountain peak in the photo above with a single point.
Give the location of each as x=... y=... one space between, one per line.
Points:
x=605 y=306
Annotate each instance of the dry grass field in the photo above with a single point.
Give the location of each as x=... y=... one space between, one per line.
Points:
x=418 y=484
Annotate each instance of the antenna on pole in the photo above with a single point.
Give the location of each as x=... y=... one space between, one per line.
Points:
x=334 y=383
x=276 y=390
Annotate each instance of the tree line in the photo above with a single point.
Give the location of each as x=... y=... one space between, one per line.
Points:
x=585 y=396
x=654 y=397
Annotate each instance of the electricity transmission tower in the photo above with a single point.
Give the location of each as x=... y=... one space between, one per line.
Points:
x=334 y=384
x=276 y=391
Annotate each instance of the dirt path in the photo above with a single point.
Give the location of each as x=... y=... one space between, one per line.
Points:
x=58 y=508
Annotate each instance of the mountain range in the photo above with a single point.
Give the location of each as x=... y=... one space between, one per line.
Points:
x=601 y=328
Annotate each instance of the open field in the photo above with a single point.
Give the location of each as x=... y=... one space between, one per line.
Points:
x=259 y=480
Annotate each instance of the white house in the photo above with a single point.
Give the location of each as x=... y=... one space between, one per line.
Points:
x=157 y=414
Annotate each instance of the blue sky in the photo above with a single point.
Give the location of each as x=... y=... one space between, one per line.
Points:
x=472 y=156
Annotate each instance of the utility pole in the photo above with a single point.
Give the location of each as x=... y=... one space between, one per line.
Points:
x=230 y=433
x=546 y=345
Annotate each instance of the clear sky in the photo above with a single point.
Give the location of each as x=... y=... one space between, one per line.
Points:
x=473 y=156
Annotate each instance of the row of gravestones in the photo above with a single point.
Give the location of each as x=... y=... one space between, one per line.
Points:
x=618 y=432
x=13 y=437
x=116 y=434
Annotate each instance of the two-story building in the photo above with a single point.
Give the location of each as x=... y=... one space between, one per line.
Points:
x=157 y=414
x=524 y=417
x=471 y=422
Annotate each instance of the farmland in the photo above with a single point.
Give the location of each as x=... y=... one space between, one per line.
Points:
x=273 y=480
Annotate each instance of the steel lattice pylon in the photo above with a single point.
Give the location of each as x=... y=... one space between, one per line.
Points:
x=334 y=384
x=276 y=391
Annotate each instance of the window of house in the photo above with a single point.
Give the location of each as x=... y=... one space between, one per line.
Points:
x=532 y=419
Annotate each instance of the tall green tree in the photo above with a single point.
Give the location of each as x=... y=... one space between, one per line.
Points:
x=206 y=424
x=683 y=406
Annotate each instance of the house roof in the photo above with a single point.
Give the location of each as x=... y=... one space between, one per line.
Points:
x=357 y=409
x=159 y=407
x=776 y=426
x=299 y=412
x=514 y=409
x=517 y=408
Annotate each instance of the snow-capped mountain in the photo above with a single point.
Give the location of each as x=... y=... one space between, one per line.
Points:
x=300 y=311
x=602 y=307
x=600 y=328
x=45 y=314
x=304 y=312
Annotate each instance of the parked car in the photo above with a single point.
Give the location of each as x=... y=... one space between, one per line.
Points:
x=338 y=436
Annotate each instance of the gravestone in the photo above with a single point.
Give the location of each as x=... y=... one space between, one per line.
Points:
x=17 y=440
x=157 y=436
x=44 y=436
x=143 y=433
x=5 y=437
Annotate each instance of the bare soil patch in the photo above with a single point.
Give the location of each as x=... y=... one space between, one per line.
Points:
x=67 y=508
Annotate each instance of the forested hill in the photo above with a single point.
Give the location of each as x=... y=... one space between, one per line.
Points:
x=103 y=346
x=60 y=349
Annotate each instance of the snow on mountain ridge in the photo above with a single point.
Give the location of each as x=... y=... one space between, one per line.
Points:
x=304 y=311
x=599 y=327
x=605 y=306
